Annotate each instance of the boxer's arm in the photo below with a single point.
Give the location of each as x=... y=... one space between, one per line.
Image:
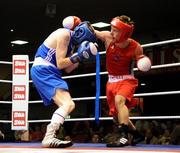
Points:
x=62 y=43
x=142 y=61
x=104 y=36
x=138 y=52
x=70 y=68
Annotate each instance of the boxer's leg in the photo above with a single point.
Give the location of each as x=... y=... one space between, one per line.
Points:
x=62 y=99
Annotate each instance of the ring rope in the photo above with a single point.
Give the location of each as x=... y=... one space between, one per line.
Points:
x=155 y=44
x=135 y=69
x=104 y=52
x=135 y=95
x=5 y=102
x=101 y=118
x=5 y=62
x=104 y=97
x=105 y=72
x=6 y=81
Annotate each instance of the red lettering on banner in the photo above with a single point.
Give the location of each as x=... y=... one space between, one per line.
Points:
x=19 y=118
x=19 y=92
x=19 y=67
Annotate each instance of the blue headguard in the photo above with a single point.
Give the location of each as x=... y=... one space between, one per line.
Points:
x=83 y=32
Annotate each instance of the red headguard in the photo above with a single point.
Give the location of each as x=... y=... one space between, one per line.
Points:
x=126 y=29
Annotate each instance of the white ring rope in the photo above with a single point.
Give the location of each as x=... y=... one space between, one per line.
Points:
x=5 y=102
x=103 y=97
x=154 y=44
x=135 y=95
x=104 y=52
x=4 y=62
x=6 y=81
x=135 y=69
x=101 y=118
x=102 y=73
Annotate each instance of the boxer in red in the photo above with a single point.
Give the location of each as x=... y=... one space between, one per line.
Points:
x=121 y=53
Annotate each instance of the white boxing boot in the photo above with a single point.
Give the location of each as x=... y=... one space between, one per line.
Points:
x=50 y=140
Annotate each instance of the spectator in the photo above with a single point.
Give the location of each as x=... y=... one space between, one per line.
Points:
x=165 y=138
x=175 y=135
x=1 y=136
x=21 y=135
x=150 y=138
x=95 y=138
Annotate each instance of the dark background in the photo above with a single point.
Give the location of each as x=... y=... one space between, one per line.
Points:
x=33 y=20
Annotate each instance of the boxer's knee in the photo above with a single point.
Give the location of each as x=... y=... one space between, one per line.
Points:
x=119 y=101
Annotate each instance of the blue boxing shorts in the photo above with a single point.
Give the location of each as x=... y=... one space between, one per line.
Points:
x=46 y=80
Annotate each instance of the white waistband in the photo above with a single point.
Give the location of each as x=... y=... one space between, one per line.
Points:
x=41 y=61
x=116 y=78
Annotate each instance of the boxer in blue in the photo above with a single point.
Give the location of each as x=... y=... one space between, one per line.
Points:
x=53 y=56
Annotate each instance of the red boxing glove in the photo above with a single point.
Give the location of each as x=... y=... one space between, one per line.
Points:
x=143 y=63
x=71 y=22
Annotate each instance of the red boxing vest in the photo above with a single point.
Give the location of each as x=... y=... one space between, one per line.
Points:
x=119 y=60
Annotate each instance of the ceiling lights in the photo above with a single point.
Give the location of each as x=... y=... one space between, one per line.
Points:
x=100 y=25
x=19 y=42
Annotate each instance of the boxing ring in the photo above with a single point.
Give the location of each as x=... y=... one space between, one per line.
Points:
x=86 y=148
x=31 y=147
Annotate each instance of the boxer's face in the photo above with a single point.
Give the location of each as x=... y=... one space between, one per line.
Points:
x=116 y=33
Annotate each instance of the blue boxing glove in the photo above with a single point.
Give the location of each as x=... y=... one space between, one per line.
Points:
x=85 y=50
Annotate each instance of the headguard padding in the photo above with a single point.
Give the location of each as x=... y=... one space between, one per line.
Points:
x=126 y=29
x=83 y=32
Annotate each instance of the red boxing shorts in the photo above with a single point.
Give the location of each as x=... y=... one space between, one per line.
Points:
x=125 y=88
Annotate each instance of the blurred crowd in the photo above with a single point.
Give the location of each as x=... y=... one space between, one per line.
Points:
x=163 y=132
